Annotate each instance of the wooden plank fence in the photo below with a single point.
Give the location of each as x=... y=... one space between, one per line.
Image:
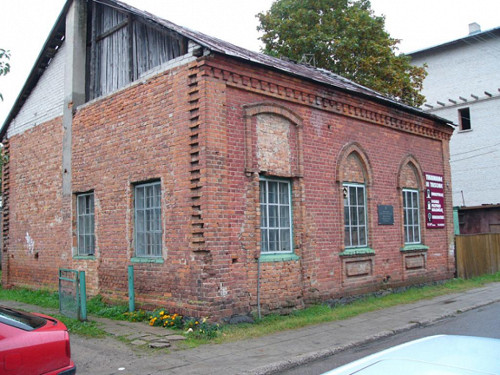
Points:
x=477 y=254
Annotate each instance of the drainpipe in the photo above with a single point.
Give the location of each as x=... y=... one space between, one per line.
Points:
x=131 y=292
x=258 y=288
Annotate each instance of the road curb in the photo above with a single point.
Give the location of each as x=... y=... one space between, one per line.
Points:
x=290 y=363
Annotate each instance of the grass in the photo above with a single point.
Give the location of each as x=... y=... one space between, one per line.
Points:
x=269 y=324
x=322 y=313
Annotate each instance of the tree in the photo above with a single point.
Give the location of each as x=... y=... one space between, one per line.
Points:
x=345 y=37
x=4 y=65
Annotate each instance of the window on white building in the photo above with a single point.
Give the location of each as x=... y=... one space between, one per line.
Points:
x=464 y=118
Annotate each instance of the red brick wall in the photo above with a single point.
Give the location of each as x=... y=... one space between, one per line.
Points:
x=195 y=129
x=37 y=235
x=318 y=215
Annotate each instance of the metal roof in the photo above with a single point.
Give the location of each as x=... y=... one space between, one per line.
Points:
x=479 y=36
x=215 y=45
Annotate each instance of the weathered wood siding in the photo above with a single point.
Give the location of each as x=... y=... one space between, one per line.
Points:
x=123 y=48
x=477 y=254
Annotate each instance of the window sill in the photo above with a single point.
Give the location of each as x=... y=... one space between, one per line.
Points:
x=84 y=257
x=415 y=247
x=357 y=251
x=264 y=258
x=146 y=260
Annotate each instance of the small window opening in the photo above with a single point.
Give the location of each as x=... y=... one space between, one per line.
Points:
x=464 y=115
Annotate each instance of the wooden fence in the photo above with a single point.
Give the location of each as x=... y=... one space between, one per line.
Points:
x=477 y=254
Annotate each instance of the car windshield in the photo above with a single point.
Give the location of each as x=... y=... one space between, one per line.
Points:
x=25 y=321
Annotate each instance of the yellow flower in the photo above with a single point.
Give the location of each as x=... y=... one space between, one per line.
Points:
x=196 y=322
x=162 y=312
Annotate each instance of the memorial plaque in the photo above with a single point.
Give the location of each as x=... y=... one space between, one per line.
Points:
x=385 y=214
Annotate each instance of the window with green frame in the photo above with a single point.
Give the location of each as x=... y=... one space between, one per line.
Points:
x=355 y=221
x=411 y=213
x=275 y=216
x=148 y=229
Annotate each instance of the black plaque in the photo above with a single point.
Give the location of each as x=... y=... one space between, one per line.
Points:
x=385 y=214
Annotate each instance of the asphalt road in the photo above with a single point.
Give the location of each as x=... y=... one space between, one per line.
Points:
x=484 y=321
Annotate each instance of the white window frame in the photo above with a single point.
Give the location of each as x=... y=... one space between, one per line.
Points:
x=411 y=217
x=280 y=225
x=85 y=224
x=147 y=220
x=353 y=227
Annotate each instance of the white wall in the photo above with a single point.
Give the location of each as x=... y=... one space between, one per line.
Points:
x=475 y=154
x=46 y=100
x=469 y=68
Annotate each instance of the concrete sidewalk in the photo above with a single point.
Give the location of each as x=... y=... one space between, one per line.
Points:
x=284 y=350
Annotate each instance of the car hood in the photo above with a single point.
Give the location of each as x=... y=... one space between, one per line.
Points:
x=431 y=355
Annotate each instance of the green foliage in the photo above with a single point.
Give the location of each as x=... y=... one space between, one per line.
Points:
x=43 y=297
x=345 y=37
x=4 y=64
x=136 y=316
x=97 y=306
x=88 y=328
x=201 y=329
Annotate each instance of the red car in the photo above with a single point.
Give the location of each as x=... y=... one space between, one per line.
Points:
x=33 y=344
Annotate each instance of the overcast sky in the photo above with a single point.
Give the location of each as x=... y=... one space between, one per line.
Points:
x=25 y=25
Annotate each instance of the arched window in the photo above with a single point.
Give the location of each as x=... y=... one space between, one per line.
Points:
x=410 y=183
x=353 y=174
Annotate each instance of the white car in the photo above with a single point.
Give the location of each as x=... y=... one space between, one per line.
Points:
x=434 y=355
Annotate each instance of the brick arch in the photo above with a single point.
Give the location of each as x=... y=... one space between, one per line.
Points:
x=253 y=110
x=272 y=108
x=347 y=152
x=409 y=165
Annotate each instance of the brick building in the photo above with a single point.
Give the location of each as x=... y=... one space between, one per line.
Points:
x=231 y=180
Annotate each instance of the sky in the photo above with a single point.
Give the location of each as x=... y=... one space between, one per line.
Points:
x=26 y=24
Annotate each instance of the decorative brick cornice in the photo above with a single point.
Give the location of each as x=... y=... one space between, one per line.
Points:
x=325 y=102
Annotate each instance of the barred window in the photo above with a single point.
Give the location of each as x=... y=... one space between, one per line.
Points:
x=148 y=230
x=411 y=212
x=355 y=228
x=275 y=216
x=85 y=224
